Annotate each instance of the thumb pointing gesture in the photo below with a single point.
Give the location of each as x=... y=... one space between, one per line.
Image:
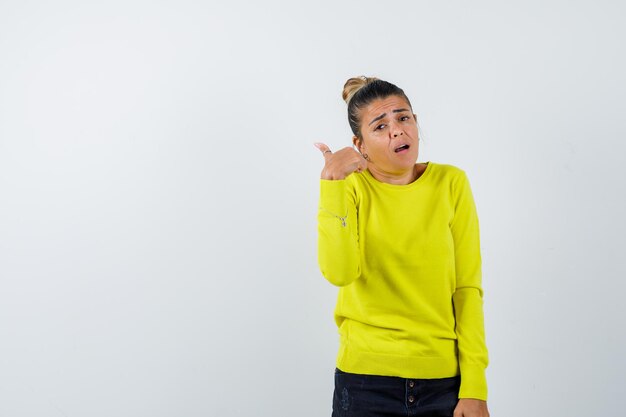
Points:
x=339 y=165
x=324 y=148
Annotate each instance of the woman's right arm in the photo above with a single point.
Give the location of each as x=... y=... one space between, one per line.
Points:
x=338 y=245
x=337 y=242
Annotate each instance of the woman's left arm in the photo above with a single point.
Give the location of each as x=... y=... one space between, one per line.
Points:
x=468 y=295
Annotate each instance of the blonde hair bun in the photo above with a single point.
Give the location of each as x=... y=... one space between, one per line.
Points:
x=353 y=85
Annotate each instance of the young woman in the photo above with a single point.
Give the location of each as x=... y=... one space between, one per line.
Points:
x=401 y=240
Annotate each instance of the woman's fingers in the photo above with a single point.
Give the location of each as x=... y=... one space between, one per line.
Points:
x=361 y=165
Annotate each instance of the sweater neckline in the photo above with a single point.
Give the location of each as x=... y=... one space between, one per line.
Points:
x=410 y=185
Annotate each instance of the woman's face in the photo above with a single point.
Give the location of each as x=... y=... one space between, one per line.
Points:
x=390 y=137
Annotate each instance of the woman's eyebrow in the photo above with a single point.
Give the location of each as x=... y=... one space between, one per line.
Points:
x=378 y=118
x=384 y=114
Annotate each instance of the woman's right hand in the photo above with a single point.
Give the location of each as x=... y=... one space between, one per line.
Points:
x=338 y=165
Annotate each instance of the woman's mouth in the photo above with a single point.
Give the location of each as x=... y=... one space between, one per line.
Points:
x=401 y=148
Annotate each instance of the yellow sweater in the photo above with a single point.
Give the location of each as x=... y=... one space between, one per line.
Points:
x=408 y=264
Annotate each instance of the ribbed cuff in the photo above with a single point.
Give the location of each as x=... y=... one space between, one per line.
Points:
x=473 y=383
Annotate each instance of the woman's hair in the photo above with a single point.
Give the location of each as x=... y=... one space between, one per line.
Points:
x=358 y=92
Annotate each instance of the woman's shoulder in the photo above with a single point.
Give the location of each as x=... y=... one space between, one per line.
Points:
x=446 y=170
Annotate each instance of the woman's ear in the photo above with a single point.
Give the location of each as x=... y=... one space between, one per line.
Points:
x=358 y=143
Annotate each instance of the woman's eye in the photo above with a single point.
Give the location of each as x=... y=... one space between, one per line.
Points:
x=404 y=118
x=380 y=126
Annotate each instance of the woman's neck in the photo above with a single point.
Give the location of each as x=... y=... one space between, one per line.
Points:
x=401 y=178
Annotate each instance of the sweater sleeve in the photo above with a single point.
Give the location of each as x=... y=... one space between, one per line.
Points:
x=468 y=295
x=338 y=248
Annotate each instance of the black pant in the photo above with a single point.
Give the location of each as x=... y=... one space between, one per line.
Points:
x=389 y=396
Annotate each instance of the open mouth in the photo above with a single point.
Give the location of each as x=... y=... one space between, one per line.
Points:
x=401 y=148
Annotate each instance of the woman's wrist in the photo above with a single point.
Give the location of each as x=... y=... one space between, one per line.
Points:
x=326 y=175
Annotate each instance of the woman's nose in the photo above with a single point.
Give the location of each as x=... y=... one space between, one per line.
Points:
x=395 y=129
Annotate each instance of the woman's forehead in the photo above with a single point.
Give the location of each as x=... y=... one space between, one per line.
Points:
x=387 y=103
x=384 y=106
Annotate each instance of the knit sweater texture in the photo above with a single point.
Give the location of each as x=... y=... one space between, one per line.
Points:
x=407 y=261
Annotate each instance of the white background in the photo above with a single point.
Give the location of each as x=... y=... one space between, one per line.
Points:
x=159 y=189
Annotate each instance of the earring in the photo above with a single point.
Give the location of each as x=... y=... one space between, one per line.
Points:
x=366 y=156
